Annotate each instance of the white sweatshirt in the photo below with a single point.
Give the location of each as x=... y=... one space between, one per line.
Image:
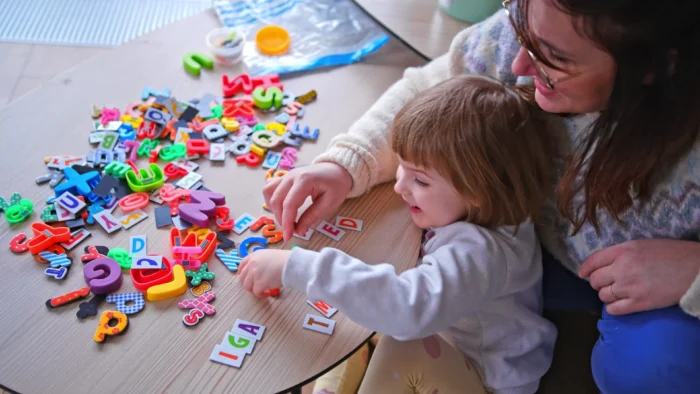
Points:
x=478 y=288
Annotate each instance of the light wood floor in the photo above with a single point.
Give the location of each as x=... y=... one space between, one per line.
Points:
x=25 y=67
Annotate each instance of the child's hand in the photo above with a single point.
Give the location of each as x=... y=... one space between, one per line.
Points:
x=262 y=270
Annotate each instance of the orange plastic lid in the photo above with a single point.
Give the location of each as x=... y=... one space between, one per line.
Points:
x=272 y=40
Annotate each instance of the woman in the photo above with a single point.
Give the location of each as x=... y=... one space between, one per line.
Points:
x=622 y=79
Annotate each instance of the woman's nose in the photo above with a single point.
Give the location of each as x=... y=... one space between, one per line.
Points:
x=522 y=64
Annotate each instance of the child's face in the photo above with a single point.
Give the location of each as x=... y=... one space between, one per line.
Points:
x=433 y=201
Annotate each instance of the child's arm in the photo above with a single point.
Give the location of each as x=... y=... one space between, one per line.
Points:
x=452 y=282
x=486 y=48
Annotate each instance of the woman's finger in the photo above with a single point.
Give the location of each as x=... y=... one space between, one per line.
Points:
x=602 y=277
x=320 y=207
x=279 y=196
x=598 y=260
x=290 y=208
x=623 y=306
x=606 y=295
x=269 y=189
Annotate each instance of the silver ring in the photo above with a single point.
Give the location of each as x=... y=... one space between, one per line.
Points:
x=613 y=293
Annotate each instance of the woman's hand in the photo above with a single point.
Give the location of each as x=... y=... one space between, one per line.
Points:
x=327 y=183
x=643 y=275
x=262 y=270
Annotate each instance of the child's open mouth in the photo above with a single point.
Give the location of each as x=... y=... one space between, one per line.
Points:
x=414 y=208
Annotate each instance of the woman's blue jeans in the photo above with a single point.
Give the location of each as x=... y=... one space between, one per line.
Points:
x=654 y=352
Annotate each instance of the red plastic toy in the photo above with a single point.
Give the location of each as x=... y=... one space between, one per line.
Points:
x=143 y=279
x=45 y=236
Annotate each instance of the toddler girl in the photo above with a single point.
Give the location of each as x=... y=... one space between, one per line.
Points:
x=474 y=168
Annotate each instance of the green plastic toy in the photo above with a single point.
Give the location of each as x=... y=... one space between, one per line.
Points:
x=18 y=210
x=266 y=99
x=194 y=61
x=173 y=152
x=121 y=256
x=147 y=180
x=117 y=169
x=217 y=111
x=147 y=146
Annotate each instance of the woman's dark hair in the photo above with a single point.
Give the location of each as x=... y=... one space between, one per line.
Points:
x=652 y=119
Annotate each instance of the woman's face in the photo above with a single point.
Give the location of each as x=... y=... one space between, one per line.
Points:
x=554 y=32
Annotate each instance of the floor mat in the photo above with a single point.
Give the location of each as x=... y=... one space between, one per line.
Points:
x=89 y=22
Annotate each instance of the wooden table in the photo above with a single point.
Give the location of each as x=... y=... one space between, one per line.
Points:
x=52 y=351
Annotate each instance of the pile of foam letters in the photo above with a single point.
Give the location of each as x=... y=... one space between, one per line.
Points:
x=171 y=135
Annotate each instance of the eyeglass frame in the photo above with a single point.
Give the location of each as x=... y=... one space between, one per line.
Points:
x=549 y=81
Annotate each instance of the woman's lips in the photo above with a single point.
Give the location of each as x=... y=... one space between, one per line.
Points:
x=543 y=89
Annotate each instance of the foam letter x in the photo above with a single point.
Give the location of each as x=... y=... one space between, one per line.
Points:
x=239 y=107
x=200 y=274
x=77 y=183
x=201 y=303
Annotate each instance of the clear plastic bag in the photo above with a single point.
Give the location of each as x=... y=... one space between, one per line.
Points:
x=323 y=32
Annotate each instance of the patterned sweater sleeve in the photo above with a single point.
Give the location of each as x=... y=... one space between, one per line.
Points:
x=365 y=150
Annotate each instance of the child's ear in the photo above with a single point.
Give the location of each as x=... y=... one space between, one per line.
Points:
x=472 y=213
x=472 y=208
x=471 y=201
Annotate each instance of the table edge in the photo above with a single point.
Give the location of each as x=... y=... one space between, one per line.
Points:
x=325 y=371
x=393 y=33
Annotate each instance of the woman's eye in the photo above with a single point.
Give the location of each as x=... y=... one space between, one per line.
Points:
x=558 y=59
x=420 y=183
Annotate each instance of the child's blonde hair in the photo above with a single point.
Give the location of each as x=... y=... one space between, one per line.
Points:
x=486 y=139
